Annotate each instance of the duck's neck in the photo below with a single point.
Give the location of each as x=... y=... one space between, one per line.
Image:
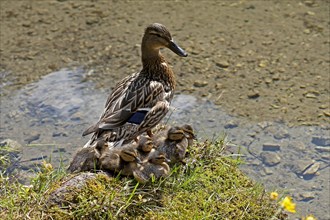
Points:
x=155 y=66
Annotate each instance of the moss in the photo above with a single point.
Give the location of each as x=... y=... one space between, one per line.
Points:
x=209 y=186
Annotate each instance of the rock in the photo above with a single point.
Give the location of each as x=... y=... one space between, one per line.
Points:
x=322 y=149
x=321 y=141
x=222 y=63
x=199 y=83
x=271 y=147
x=312 y=170
x=33 y=137
x=281 y=134
x=302 y=165
x=267 y=171
x=253 y=94
x=231 y=124
x=270 y=158
x=306 y=196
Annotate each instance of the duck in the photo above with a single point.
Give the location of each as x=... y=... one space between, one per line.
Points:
x=141 y=100
x=179 y=138
x=156 y=166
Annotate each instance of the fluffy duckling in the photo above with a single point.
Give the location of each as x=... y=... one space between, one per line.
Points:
x=86 y=159
x=115 y=159
x=131 y=161
x=145 y=146
x=177 y=142
x=155 y=166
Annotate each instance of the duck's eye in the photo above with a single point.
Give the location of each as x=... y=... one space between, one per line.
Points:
x=158 y=35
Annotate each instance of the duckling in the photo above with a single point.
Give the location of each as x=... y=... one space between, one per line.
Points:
x=155 y=166
x=131 y=161
x=140 y=101
x=177 y=142
x=85 y=159
x=114 y=159
x=145 y=146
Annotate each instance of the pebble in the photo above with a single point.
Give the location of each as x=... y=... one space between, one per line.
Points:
x=321 y=141
x=322 y=149
x=271 y=147
x=281 y=134
x=306 y=196
x=33 y=137
x=302 y=165
x=222 y=63
x=231 y=124
x=199 y=83
x=270 y=158
x=267 y=171
x=312 y=170
x=252 y=94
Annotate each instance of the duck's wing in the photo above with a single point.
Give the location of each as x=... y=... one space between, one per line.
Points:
x=132 y=94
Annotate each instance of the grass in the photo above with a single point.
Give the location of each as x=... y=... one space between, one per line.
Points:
x=209 y=186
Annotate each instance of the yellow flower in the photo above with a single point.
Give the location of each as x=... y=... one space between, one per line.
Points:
x=288 y=205
x=310 y=217
x=273 y=195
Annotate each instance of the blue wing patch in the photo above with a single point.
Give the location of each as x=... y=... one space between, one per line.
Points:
x=138 y=117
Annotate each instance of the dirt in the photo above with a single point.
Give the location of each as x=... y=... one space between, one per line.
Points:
x=262 y=60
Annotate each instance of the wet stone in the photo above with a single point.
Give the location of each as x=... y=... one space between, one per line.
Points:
x=321 y=141
x=306 y=196
x=271 y=147
x=322 y=149
x=301 y=165
x=281 y=134
x=231 y=124
x=270 y=158
x=32 y=137
x=267 y=171
x=312 y=170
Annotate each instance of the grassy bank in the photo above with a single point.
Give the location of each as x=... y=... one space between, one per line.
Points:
x=209 y=186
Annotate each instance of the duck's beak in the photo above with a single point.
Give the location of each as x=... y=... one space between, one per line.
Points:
x=176 y=49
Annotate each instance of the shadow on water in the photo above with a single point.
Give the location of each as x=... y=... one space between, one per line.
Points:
x=49 y=116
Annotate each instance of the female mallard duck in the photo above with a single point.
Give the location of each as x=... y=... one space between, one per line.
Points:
x=141 y=100
x=177 y=142
x=155 y=166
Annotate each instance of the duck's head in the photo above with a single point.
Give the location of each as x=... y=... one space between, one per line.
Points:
x=188 y=131
x=175 y=134
x=158 y=158
x=129 y=155
x=156 y=36
x=145 y=144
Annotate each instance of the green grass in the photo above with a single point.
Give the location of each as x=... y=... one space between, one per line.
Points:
x=209 y=186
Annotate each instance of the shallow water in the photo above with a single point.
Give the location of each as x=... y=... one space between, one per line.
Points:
x=49 y=116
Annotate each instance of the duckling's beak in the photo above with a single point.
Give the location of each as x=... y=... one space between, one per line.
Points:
x=167 y=160
x=176 y=49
